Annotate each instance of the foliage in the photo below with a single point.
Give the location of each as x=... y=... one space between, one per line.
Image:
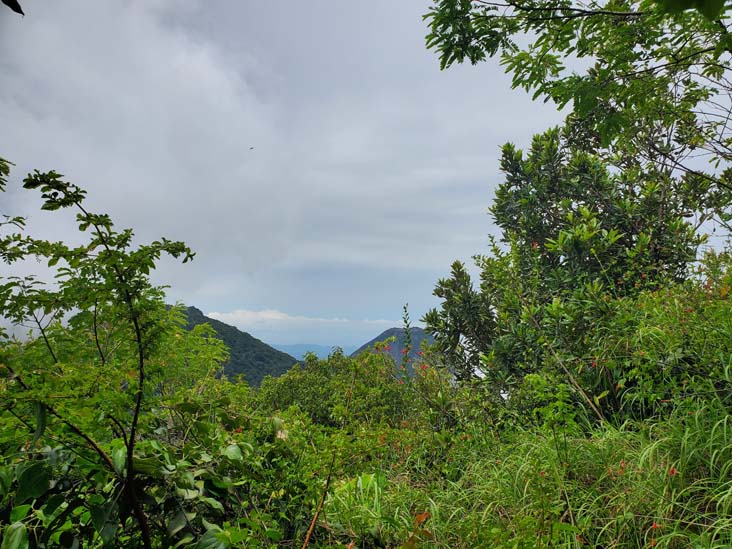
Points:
x=579 y=238
x=646 y=86
x=578 y=397
x=602 y=418
x=339 y=390
x=115 y=428
x=249 y=357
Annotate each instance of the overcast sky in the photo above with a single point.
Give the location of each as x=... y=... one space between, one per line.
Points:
x=313 y=154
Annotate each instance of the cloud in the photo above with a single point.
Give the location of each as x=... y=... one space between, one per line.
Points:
x=244 y=318
x=312 y=154
x=273 y=325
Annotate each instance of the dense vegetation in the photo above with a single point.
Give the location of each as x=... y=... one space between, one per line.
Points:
x=248 y=357
x=578 y=396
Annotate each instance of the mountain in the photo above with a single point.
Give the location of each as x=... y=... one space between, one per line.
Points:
x=417 y=335
x=298 y=350
x=250 y=357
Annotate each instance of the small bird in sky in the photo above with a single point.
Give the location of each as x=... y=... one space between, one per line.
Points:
x=13 y=5
x=251 y=148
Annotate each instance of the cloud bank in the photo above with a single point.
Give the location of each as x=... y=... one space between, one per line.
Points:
x=313 y=154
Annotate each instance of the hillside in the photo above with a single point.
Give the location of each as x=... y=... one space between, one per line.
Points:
x=418 y=335
x=250 y=357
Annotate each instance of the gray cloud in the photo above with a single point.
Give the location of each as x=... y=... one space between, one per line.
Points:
x=371 y=169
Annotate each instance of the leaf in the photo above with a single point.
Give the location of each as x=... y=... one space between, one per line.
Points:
x=149 y=466
x=40 y=409
x=233 y=452
x=109 y=533
x=179 y=521
x=215 y=538
x=185 y=541
x=14 y=5
x=102 y=516
x=420 y=518
x=119 y=456
x=213 y=503
x=33 y=481
x=15 y=536
x=19 y=512
x=6 y=480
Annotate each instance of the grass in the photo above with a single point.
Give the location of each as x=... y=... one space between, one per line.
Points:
x=653 y=484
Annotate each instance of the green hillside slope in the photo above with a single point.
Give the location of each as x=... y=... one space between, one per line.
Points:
x=250 y=357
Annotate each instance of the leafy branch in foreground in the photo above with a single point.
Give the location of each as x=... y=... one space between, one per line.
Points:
x=109 y=278
x=645 y=86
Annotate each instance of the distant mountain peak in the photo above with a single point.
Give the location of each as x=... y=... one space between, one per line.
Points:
x=417 y=336
x=249 y=356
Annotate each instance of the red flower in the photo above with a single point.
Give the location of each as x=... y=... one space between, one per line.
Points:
x=424 y=367
x=673 y=471
x=535 y=244
x=420 y=353
x=404 y=351
x=655 y=526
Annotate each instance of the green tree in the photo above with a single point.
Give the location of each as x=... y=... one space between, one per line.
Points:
x=646 y=87
x=100 y=368
x=571 y=230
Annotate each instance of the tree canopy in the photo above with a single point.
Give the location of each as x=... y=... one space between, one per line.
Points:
x=646 y=84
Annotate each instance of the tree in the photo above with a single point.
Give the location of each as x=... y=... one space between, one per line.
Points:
x=572 y=230
x=647 y=87
x=103 y=360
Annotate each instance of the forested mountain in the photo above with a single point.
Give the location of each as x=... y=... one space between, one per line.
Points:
x=396 y=349
x=250 y=357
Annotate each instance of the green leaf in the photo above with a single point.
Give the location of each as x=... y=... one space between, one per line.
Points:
x=103 y=515
x=119 y=457
x=19 y=512
x=15 y=536
x=109 y=534
x=213 y=503
x=33 y=481
x=185 y=541
x=233 y=452
x=6 y=480
x=179 y=521
x=214 y=539
x=40 y=410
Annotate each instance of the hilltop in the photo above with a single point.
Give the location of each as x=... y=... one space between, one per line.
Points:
x=249 y=357
x=418 y=335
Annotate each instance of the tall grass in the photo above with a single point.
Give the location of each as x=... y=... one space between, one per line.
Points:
x=655 y=484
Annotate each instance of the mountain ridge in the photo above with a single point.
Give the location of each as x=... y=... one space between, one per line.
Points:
x=249 y=356
x=395 y=349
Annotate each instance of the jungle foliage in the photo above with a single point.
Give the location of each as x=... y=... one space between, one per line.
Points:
x=578 y=396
